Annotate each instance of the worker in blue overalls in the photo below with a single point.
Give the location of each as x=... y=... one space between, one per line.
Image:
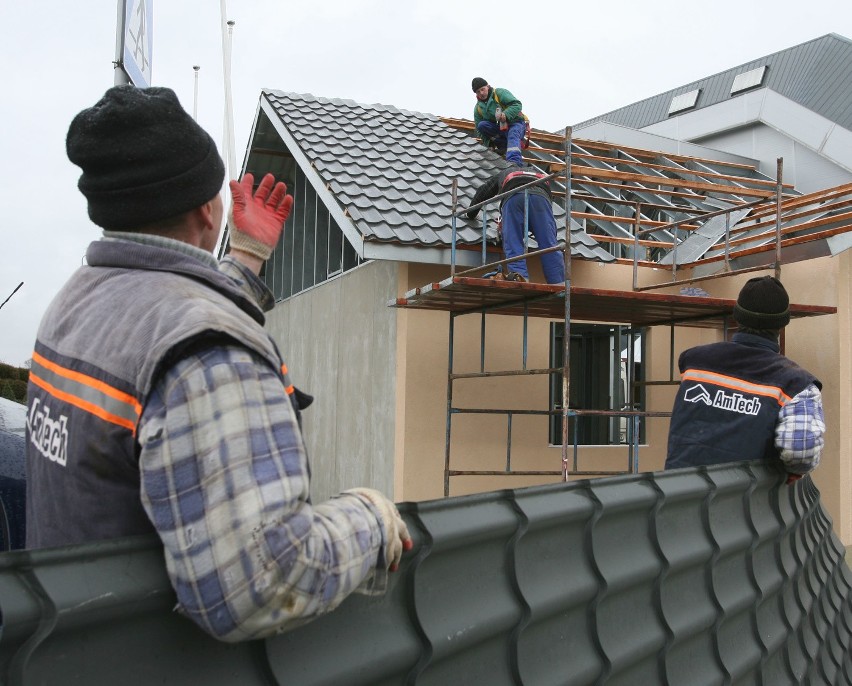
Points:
x=540 y=220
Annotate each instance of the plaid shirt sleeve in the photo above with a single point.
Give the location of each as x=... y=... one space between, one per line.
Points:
x=800 y=432
x=225 y=481
x=248 y=282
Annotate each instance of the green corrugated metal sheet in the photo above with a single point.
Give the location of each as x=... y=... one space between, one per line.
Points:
x=706 y=576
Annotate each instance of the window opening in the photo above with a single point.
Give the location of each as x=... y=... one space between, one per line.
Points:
x=603 y=374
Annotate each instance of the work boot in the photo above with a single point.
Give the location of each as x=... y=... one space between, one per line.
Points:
x=514 y=276
x=496 y=275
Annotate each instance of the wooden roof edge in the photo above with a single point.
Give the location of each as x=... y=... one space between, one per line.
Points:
x=467 y=125
x=686 y=171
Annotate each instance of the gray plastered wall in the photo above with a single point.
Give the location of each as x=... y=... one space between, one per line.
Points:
x=340 y=338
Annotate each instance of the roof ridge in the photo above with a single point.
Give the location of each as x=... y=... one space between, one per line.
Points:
x=348 y=101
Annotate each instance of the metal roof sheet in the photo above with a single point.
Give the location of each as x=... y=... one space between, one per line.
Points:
x=392 y=170
x=696 y=576
x=816 y=74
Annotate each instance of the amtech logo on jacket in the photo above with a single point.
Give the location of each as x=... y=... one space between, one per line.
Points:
x=733 y=402
x=48 y=434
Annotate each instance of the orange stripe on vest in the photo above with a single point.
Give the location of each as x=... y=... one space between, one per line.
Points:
x=736 y=384
x=90 y=381
x=83 y=404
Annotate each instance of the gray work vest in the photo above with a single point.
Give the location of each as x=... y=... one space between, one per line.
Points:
x=114 y=327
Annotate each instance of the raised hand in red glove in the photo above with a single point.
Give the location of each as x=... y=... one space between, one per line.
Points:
x=256 y=221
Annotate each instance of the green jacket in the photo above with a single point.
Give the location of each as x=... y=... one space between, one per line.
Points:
x=486 y=111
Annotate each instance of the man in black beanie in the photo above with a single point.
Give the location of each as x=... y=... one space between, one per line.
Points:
x=158 y=403
x=743 y=400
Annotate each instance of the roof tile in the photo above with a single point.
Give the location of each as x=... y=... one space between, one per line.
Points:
x=393 y=169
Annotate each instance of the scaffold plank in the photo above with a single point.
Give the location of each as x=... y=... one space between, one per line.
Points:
x=462 y=294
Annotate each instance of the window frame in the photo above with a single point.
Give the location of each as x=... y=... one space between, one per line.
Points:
x=591 y=345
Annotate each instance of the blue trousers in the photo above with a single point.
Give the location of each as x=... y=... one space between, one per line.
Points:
x=543 y=226
x=511 y=138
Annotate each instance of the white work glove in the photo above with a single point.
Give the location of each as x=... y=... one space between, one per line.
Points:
x=396 y=532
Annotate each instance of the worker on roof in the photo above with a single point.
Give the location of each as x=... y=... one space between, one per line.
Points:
x=743 y=399
x=499 y=122
x=538 y=205
x=159 y=404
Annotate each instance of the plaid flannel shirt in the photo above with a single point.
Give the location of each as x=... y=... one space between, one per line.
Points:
x=225 y=480
x=800 y=431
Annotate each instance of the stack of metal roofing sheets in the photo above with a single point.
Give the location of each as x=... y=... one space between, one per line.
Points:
x=701 y=576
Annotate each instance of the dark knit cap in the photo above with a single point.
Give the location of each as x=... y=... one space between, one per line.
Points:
x=763 y=303
x=478 y=83
x=143 y=158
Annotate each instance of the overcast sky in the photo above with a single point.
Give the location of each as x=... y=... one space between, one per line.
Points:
x=567 y=61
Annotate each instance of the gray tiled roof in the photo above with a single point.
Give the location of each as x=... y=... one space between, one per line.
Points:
x=816 y=74
x=392 y=170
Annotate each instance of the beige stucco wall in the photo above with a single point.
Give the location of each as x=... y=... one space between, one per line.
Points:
x=339 y=343
x=819 y=344
x=822 y=345
x=479 y=441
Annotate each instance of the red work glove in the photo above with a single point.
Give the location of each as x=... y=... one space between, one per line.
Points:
x=256 y=221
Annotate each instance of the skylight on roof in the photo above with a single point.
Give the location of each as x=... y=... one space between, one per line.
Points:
x=684 y=101
x=748 y=79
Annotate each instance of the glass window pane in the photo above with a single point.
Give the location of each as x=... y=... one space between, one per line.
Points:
x=286 y=270
x=321 y=245
x=274 y=268
x=298 y=230
x=335 y=249
x=308 y=277
x=350 y=257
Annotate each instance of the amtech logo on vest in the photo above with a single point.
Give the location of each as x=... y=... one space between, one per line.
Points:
x=733 y=402
x=48 y=435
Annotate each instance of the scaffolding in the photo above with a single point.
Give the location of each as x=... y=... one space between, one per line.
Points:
x=465 y=293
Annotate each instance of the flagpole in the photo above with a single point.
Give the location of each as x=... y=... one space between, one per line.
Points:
x=120 y=77
x=227 y=35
